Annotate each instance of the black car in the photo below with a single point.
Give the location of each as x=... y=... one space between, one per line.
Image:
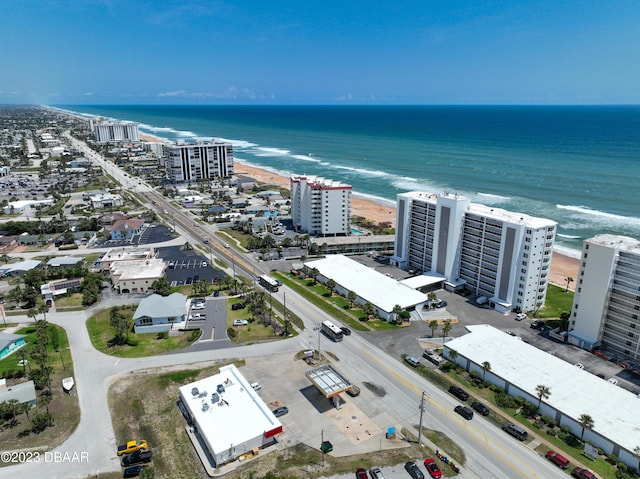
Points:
x=346 y=331
x=137 y=457
x=537 y=324
x=280 y=411
x=465 y=412
x=480 y=408
x=459 y=393
x=133 y=471
x=236 y=306
x=413 y=470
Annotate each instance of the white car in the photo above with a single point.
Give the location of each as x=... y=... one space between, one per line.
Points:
x=240 y=322
x=520 y=316
x=256 y=386
x=482 y=300
x=197 y=306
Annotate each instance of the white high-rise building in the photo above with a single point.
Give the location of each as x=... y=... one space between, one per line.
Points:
x=606 y=305
x=320 y=206
x=499 y=254
x=192 y=162
x=105 y=132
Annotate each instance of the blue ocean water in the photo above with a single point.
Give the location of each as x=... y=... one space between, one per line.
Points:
x=578 y=165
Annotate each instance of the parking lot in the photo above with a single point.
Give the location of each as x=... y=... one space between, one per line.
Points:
x=187 y=266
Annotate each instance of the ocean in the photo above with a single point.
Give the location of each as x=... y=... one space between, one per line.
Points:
x=577 y=165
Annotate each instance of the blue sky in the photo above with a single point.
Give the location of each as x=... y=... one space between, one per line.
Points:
x=320 y=52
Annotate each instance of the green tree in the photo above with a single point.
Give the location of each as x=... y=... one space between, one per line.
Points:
x=433 y=325
x=331 y=285
x=543 y=392
x=368 y=310
x=446 y=327
x=120 y=324
x=486 y=366
x=586 y=422
x=453 y=355
x=314 y=274
x=568 y=280
x=161 y=286
x=351 y=296
x=396 y=311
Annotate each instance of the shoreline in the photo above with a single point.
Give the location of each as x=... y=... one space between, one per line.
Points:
x=562 y=265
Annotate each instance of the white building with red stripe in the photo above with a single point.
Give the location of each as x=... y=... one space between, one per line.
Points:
x=320 y=207
x=229 y=418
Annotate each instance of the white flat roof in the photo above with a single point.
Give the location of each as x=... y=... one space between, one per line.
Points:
x=243 y=416
x=367 y=283
x=574 y=391
x=422 y=280
x=138 y=269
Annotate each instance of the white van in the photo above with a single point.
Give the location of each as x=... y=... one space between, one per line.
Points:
x=256 y=386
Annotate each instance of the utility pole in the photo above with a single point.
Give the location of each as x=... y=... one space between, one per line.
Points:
x=421 y=411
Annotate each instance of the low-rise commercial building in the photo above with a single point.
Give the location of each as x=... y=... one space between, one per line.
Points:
x=228 y=417
x=519 y=368
x=157 y=313
x=136 y=276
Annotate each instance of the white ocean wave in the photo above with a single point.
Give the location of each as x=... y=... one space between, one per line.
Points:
x=494 y=198
x=239 y=143
x=307 y=158
x=266 y=151
x=601 y=216
x=566 y=236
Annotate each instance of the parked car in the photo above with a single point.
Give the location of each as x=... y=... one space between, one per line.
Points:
x=558 y=459
x=131 y=446
x=280 y=411
x=256 y=386
x=361 y=473
x=346 y=331
x=537 y=324
x=582 y=473
x=237 y=306
x=432 y=468
x=480 y=408
x=520 y=316
x=413 y=470
x=133 y=471
x=415 y=362
x=459 y=393
x=137 y=457
x=480 y=300
x=376 y=473
x=464 y=411
x=440 y=303
x=240 y=322
x=515 y=430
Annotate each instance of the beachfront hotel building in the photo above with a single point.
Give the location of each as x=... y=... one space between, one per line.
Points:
x=606 y=305
x=320 y=207
x=502 y=255
x=198 y=161
x=110 y=131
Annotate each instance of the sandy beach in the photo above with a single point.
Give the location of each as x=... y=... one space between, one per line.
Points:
x=562 y=266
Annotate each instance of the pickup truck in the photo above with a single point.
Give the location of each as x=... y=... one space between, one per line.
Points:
x=132 y=446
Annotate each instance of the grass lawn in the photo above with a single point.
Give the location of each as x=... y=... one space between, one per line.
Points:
x=557 y=302
x=145 y=408
x=72 y=301
x=63 y=407
x=255 y=330
x=147 y=344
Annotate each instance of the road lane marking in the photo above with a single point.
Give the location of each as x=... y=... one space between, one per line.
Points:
x=476 y=434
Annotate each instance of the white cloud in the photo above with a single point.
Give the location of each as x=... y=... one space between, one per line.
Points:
x=347 y=97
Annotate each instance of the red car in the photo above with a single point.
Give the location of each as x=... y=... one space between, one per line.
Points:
x=361 y=473
x=581 y=473
x=558 y=459
x=432 y=468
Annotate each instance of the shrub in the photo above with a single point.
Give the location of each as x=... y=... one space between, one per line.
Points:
x=231 y=333
x=612 y=458
x=162 y=335
x=132 y=342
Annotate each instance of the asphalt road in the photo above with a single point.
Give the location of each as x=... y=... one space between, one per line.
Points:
x=490 y=453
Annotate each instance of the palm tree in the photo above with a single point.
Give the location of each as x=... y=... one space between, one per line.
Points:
x=445 y=329
x=486 y=366
x=351 y=296
x=331 y=285
x=314 y=274
x=397 y=309
x=543 y=392
x=453 y=355
x=568 y=280
x=586 y=422
x=433 y=324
